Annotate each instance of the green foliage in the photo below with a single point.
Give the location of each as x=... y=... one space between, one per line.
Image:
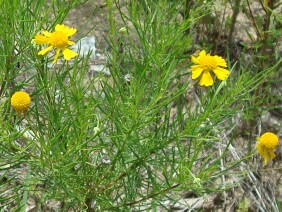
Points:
x=108 y=143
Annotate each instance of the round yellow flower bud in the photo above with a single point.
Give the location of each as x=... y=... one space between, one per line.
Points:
x=20 y=101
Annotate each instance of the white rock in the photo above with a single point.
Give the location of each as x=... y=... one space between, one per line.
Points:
x=86 y=46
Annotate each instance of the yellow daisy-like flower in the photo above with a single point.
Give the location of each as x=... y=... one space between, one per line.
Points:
x=58 y=40
x=20 y=101
x=266 y=145
x=205 y=63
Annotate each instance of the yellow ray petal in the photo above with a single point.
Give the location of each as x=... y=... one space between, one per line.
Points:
x=271 y=153
x=221 y=73
x=57 y=55
x=47 y=34
x=267 y=156
x=68 y=54
x=70 y=31
x=70 y=42
x=44 y=51
x=206 y=79
x=220 y=61
x=65 y=29
x=60 y=27
x=202 y=53
x=259 y=148
x=41 y=39
x=266 y=160
x=195 y=60
x=196 y=71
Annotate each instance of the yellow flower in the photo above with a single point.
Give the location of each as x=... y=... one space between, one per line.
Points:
x=266 y=145
x=205 y=63
x=58 y=40
x=20 y=101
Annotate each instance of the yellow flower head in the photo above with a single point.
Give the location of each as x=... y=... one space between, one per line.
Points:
x=20 y=101
x=266 y=145
x=205 y=63
x=58 y=40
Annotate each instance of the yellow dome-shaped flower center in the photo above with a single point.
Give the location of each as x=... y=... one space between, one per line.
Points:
x=59 y=40
x=269 y=140
x=20 y=101
x=208 y=62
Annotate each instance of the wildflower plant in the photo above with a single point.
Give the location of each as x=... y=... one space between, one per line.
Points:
x=116 y=143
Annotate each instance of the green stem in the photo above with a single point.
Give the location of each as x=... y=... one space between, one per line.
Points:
x=26 y=187
x=233 y=20
x=113 y=27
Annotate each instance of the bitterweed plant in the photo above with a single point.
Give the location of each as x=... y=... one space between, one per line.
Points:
x=130 y=141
